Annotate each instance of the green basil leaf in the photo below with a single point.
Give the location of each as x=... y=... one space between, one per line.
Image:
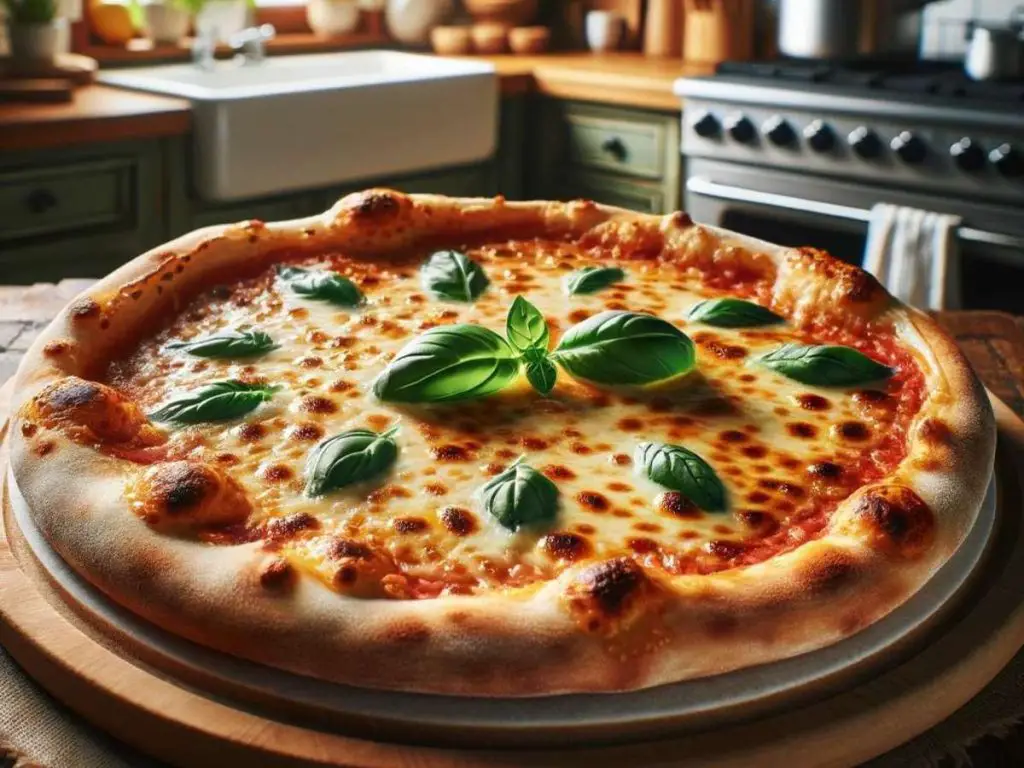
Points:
x=452 y=275
x=679 y=469
x=227 y=344
x=215 y=402
x=450 y=362
x=624 y=348
x=540 y=371
x=520 y=496
x=349 y=457
x=825 y=366
x=526 y=327
x=592 y=279
x=732 y=313
x=322 y=285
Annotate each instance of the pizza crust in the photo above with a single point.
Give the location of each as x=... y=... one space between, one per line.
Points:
x=604 y=626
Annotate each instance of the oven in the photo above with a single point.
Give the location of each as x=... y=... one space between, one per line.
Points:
x=832 y=214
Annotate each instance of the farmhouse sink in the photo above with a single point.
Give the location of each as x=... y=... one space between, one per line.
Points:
x=301 y=122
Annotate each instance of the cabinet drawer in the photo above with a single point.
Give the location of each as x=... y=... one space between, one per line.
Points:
x=636 y=196
x=52 y=200
x=631 y=147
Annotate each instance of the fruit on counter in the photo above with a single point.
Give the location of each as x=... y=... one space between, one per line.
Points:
x=112 y=23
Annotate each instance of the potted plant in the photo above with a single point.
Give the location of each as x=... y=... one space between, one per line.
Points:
x=167 y=21
x=32 y=30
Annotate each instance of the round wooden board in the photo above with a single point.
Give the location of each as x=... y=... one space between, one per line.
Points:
x=188 y=727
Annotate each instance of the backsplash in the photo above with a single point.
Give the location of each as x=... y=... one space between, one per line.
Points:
x=945 y=23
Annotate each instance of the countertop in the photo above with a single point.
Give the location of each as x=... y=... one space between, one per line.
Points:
x=99 y=113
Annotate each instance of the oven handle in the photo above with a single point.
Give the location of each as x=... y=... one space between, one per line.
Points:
x=701 y=186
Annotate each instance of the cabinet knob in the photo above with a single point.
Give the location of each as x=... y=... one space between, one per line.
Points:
x=40 y=201
x=615 y=148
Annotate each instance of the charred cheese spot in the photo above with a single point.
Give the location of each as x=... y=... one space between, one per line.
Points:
x=317 y=404
x=188 y=495
x=853 y=431
x=565 y=546
x=359 y=567
x=595 y=502
x=88 y=409
x=451 y=453
x=811 y=402
x=677 y=505
x=306 y=432
x=458 y=521
x=282 y=528
x=559 y=472
x=894 y=519
x=410 y=525
x=251 y=432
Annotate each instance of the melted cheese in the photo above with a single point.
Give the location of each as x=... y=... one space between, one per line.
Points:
x=760 y=431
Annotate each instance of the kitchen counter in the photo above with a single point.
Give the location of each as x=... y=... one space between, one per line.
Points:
x=99 y=113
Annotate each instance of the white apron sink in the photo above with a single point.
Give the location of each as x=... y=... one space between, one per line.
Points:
x=301 y=122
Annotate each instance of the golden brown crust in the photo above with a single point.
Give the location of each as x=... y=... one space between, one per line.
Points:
x=601 y=626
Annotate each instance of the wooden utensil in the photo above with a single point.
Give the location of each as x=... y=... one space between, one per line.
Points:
x=718 y=30
x=663 y=28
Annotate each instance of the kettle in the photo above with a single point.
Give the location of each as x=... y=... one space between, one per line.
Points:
x=996 y=52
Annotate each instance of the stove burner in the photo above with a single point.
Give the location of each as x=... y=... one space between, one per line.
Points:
x=934 y=78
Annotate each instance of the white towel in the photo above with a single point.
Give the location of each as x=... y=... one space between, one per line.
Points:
x=914 y=254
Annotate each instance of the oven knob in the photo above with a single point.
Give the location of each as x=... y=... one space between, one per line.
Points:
x=778 y=131
x=820 y=136
x=864 y=142
x=706 y=125
x=740 y=128
x=1007 y=160
x=909 y=148
x=967 y=155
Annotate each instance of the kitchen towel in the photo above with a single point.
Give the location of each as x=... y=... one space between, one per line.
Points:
x=914 y=254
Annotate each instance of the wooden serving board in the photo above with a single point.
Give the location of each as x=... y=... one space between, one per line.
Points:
x=74 y=67
x=188 y=726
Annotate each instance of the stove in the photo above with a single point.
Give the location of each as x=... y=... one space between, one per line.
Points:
x=798 y=152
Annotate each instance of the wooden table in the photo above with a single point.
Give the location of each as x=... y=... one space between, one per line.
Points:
x=994 y=343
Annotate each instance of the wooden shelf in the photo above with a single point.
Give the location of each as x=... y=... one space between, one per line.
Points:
x=142 y=50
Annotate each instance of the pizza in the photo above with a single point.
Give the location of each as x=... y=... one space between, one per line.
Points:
x=496 y=448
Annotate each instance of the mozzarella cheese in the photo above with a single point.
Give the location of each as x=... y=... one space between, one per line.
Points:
x=764 y=434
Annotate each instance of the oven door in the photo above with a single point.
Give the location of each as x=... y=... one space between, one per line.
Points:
x=833 y=215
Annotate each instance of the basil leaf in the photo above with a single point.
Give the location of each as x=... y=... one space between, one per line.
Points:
x=349 y=457
x=592 y=279
x=679 y=469
x=540 y=371
x=526 y=327
x=732 y=313
x=451 y=362
x=227 y=344
x=520 y=496
x=624 y=348
x=452 y=275
x=215 y=402
x=322 y=285
x=826 y=366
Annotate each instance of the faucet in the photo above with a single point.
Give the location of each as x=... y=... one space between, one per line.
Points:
x=250 y=42
x=204 y=45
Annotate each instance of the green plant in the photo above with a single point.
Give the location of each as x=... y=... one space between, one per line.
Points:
x=30 y=11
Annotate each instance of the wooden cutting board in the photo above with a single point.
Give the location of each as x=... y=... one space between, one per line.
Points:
x=149 y=709
x=51 y=83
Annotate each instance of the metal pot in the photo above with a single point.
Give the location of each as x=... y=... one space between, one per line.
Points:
x=995 y=52
x=845 y=29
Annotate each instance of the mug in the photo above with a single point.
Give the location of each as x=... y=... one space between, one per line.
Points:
x=604 y=30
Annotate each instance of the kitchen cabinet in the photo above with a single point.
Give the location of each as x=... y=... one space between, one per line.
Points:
x=82 y=211
x=613 y=155
x=78 y=211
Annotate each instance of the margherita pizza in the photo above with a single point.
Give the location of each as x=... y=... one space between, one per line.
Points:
x=492 y=448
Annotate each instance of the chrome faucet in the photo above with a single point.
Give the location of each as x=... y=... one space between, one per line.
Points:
x=250 y=42
x=248 y=45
